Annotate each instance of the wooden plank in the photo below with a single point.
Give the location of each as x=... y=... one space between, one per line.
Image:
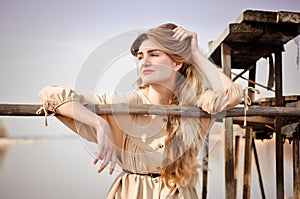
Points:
x=248 y=143
x=229 y=159
x=247 y=163
x=19 y=109
x=278 y=125
x=261 y=185
x=240 y=32
x=251 y=51
x=288 y=17
x=259 y=16
x=214 y=46
x=267 y=33
x=287 y=100
x=266 y=30
x=205 y=168
x=228 y=147
x=257 y=122
x=185 y=111
x=236 y=162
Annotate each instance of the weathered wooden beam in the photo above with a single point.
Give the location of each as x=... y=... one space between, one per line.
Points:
x=278 y=125
x=247 y=163
x=261 y=185
x=288 y=17
x=248 y=143
x=255 y=83
x=236 y=162
x=205 y=168
x=257 y=40
x=228 y=147
x=185 y=111
x=255 y=31
x=251 y=51
x=243 y=72
x=258 y=16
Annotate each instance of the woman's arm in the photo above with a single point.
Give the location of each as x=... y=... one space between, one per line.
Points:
x=106 y=148
x=218 y=81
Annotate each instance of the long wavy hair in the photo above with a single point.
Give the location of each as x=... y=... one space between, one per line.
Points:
x=185 y=135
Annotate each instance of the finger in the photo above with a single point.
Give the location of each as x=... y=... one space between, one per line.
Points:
x=177 y=28
x=102 y=150
x=106 y=160
x=113 y=164
x=181 y=34
x=184 y=36
x=102 y=167
x=178 y=34
x=95 y=161
x=98 y=156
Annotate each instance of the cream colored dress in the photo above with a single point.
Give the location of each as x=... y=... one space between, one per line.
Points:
x=140 y=139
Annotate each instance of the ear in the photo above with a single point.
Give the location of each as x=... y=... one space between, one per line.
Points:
x=177 y=65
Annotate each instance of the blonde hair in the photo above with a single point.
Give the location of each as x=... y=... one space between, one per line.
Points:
x=180 y=163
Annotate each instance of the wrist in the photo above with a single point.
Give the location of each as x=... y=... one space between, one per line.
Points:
x=100 y=122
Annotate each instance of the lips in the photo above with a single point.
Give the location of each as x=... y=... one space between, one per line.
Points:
x=145 y=72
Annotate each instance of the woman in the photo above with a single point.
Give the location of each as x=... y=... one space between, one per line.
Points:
x=157 y=153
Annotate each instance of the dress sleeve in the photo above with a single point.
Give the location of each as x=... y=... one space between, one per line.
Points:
x=213 y=102
x=52 y=97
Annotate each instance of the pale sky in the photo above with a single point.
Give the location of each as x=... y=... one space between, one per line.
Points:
x=47 y=42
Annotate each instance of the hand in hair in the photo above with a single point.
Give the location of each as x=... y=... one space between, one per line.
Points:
x=218 y=81
x=182 y=34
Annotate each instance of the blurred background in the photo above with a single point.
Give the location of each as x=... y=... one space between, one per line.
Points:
x=49 y=42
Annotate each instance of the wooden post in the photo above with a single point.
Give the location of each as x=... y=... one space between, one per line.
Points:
x=278 y=125
x=261 y=185
x=228 y=152
x=205 y=168
x=296 y=163
x=236 y=162
x=248 y=145
x=247 y=163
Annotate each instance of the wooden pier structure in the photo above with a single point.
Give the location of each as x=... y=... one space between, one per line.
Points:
x=254 y=35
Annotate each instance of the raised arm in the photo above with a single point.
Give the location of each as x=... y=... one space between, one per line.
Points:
x=218 y=81
x=222 y=93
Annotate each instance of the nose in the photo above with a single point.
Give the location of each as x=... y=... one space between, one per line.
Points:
x=144 y=62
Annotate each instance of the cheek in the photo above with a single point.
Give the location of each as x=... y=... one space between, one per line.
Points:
x=165 y=69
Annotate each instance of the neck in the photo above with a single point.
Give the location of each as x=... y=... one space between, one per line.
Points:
x=158 y=94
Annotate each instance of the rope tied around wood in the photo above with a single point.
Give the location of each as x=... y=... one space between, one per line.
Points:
x=43 y=109
x=247 y=102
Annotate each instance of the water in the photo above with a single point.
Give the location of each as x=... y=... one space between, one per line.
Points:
x=49 y=169
x=54 y=168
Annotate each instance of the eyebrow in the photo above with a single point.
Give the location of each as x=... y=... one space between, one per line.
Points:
x=149 y=51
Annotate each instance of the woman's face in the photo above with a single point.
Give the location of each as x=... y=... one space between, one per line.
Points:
x=155 y=66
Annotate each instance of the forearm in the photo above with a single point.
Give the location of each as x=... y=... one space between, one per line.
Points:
x=77 y=111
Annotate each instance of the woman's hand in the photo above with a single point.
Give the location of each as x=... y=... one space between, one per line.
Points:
x=218 y=81
x=106 y=148
x=181 y=34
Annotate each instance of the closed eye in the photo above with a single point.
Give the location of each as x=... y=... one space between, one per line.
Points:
x=139 y=57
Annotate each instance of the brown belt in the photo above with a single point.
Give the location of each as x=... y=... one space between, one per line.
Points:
x=152 y=175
